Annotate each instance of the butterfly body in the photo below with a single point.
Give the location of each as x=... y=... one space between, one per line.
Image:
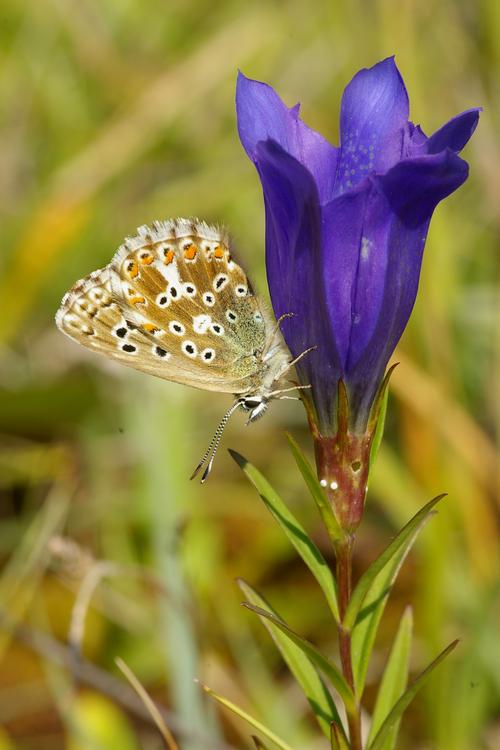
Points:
x=173 y=303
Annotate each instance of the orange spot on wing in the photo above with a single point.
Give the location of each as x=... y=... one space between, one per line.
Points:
x=150 y=328
x=137 y=300
x=146 y=259
x=132 y=269
x=169 y=257
x=190 y=252
x=218 y=252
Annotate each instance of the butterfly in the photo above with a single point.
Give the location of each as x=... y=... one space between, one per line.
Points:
x=174 y=303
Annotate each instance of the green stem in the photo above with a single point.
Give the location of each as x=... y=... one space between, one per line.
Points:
x=343 y=552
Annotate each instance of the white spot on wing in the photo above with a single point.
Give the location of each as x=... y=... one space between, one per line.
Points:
x=201 y=323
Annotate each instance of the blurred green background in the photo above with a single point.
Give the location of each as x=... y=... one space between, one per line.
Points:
x=113 y=114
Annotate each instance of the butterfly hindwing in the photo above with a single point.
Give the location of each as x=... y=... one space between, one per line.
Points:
x=172 y=303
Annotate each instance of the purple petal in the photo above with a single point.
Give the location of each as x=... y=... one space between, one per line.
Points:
x=455 y=134
x=263 y=116
x=398 y=211
x=373 y=123
x=294 y=268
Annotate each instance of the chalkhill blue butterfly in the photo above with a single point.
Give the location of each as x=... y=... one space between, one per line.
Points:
x=174 y=303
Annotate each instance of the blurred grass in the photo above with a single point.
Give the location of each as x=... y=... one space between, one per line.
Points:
x=116 y=113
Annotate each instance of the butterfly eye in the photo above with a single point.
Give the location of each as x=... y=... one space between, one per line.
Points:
x=251 y=403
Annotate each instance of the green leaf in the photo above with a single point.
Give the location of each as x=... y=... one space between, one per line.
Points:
x=373 y=590
x=325 y=509
x=329 y=669
x=246 y=717
x=294 y=531
x=402 y=704
x=379 y=430
x=337 y=738
x=258 y=743
x=400 y=543
x=299 y=664
x=394 y=681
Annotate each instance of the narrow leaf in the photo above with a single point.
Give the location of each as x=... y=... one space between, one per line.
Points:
x=402 y=704
x=299 y=664
x=258 y=743
x=337 y=738
x=294 y=531
x=329 y=669
x=394 y=681
x=249 y=719
x=379 y=430
x=151 y=707
x=325 y=509
x=367 y=623
x=398 y=543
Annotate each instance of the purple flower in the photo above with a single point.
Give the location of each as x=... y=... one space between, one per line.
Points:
x=346 y=226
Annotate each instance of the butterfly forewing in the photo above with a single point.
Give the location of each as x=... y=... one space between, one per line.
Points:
x=172 y=303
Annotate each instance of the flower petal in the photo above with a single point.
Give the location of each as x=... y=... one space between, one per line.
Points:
x=294 y=269
x=395 y=224
x=455 y=134
x=262 y=116
x=373 y=122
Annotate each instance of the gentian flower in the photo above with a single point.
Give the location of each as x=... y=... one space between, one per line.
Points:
x=345 y=232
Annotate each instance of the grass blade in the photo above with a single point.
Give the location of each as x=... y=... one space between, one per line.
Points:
x=299 y=665
x=394 y=681
x=402 y=704
x=149 y=704
x=294 y=531
x=325 y=509
x=329 y=669
x=398 y=544
x=270 y=735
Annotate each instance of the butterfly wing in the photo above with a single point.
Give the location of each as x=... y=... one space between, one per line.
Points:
x=174 y=304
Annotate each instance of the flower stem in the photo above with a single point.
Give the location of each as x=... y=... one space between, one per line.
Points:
x=343 y=553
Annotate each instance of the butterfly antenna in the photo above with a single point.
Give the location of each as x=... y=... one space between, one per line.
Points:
x=214 y=444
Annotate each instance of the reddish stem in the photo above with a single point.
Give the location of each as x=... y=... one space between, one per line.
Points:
x=343 y=553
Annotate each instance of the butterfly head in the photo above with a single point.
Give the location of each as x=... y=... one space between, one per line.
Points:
x=255 y=404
